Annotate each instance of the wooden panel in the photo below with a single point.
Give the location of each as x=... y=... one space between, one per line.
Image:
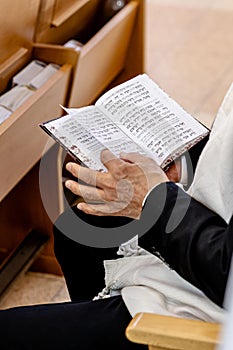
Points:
x=44 y=19
x=134 y=62
x=22 y=211
x=56 y=54
x=12 y=65
x=164 y=332
x=22 y=141
x=57 y=26
x=66 y=9
x=102 y=57
x=18 y=20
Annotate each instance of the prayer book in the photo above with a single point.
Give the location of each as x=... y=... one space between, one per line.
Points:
x=135 y=116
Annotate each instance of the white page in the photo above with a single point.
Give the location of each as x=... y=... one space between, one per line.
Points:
x=44 y=76
x=74 y=44
x=105 y=131
x=4 y=114
x=15 y=97
x=25 y=76
x=150 y=117
x=73 y=136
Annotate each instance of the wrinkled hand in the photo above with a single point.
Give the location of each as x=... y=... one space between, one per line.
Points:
x=121 y=190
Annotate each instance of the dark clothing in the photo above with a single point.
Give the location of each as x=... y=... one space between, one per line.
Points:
x=67 y=326
x=78 y=325
x=199 y=247
x=192 y=239
x=86 y=282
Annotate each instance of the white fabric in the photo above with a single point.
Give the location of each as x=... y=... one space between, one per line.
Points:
x=226 y=335
x=146 y=283
x=213 y=179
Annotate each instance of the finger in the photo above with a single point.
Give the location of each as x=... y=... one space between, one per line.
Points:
x=88 y=193
x=89 y=176
x=111 y=162
x=103 y=210
x=99 y=209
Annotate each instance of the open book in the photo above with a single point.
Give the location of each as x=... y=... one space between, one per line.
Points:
x=135 y=116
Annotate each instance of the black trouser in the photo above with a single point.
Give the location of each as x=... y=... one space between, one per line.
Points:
x=80 y=324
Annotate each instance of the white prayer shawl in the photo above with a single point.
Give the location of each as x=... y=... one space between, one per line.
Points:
x=145 y=282
x=213 y=180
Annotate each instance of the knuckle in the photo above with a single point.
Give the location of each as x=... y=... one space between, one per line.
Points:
x=133 y=168
x=110 y=184
x=121 y=171
x=111 y=195
x=90 y=178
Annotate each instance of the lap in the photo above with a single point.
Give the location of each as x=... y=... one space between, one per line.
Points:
x=95 y=231
x=89 y=325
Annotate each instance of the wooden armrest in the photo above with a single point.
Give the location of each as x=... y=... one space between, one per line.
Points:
x=165 y=332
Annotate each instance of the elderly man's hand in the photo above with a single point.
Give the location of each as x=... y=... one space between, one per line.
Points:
x=121 y=190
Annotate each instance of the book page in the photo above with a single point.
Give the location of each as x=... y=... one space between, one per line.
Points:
x=85 y=132
x=75 y=139
x=41 y=78
x=4 y=114
x=15 y=97
x=105 y=130
x=25 y=76
x=151 y=118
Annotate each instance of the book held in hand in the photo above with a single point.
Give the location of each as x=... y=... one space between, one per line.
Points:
x=135 y=116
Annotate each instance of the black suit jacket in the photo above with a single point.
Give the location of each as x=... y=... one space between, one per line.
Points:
x=192 y=239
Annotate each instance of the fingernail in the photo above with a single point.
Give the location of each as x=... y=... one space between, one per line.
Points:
x=79 y=206
x=68 y=184
x=68 y=166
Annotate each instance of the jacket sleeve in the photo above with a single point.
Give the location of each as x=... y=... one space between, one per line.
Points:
x=190 y=238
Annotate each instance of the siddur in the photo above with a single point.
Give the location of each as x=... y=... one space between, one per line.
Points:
x=135 y=116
